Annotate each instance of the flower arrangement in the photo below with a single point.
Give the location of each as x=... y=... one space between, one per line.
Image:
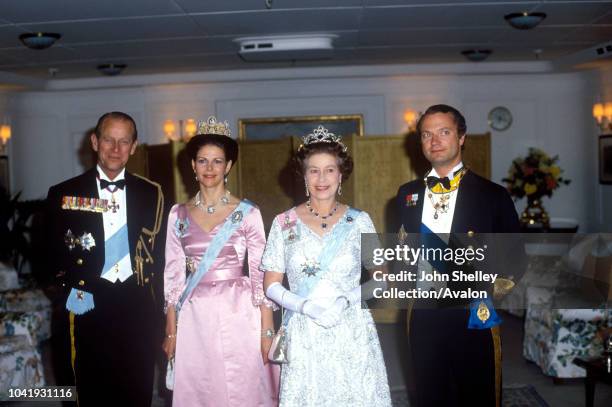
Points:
x=534 y=176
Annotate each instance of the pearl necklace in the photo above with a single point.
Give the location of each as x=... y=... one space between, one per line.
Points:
x=323 y=218
x=210 y=209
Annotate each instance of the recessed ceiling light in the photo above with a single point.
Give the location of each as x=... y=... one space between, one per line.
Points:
x=39 y=40
x=524 y=21
x=111 y=69
x=476 y=55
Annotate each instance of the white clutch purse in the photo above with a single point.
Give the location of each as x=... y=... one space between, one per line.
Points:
x=170 y=375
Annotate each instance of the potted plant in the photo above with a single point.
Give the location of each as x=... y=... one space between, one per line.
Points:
x=534 y=176
x=18 y=230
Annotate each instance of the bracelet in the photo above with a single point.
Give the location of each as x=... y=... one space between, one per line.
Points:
x=170 y=336
x=267 y=333
x=348 y=302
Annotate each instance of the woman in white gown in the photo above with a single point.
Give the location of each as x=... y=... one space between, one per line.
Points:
x=334 y=353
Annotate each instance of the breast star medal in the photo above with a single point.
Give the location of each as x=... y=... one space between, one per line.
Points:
x=310 y=268
x=87 y=241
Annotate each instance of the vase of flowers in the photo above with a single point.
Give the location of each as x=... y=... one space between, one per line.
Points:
x=534 y=176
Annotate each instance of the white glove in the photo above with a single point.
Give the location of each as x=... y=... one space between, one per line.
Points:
x=332 y=315
x=293 y=302
x=312 y=310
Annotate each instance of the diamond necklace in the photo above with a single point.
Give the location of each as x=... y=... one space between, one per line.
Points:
x=323 y=218
x=210 y=209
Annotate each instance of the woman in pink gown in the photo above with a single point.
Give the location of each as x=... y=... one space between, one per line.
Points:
x=224 y=328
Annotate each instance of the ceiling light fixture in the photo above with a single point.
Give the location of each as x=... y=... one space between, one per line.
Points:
x=524 y=21
x=476 y=55
x=111 y=69
x=39 y=40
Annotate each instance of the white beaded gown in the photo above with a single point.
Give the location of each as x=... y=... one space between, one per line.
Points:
x=342 y=365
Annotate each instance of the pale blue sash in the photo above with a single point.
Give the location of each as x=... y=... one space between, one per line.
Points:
x=227 y=230
x=116 y=248
x=332 y=245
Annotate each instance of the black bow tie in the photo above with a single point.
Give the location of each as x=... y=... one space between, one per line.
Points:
x=433 y=181
x=105 y=184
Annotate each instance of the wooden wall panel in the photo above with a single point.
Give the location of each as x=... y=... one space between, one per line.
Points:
x=266 y=177
x=381 y=166
x=477 y=154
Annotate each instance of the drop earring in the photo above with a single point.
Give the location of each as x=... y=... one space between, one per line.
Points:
x=307 y=192
x=340 y=188
x=225 y=180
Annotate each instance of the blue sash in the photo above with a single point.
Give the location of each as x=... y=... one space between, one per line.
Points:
x=431 y=240
x=338 y=235
x=116 y=247
x=227 y=230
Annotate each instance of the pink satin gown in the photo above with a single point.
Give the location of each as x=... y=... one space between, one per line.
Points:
x=218 y=359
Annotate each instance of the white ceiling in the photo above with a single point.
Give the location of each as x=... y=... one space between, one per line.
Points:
x=155 y=36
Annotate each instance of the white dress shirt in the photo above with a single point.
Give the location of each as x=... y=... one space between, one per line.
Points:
x=441 y=225
x=113 y=221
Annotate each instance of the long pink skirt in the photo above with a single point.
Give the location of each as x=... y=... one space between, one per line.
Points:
x=218 y=357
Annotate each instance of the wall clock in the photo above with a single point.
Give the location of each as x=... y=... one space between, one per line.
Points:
x=500 y=118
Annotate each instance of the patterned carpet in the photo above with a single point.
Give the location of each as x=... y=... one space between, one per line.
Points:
x=514 y=395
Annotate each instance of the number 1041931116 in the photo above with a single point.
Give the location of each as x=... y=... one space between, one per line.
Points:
x=57 y=393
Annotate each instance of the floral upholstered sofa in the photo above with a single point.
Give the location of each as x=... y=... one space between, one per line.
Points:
x=554 y=337
x=568 y=320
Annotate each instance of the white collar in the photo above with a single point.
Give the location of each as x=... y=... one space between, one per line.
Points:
x=457 y=167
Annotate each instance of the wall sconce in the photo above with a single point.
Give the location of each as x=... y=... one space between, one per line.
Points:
x=603 y=116
x=169 y=128
x=191 y=127
x=411 y=117
x=186 y=129
x=5 y=135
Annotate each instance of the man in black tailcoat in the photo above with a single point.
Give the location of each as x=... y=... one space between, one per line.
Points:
x=107 y=254
x=454 y=365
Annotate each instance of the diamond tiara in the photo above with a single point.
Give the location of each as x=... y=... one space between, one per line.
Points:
x=322 y=135
x=212 y=126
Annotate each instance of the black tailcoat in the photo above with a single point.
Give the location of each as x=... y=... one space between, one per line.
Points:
x=114 y=345
x=454 y=365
